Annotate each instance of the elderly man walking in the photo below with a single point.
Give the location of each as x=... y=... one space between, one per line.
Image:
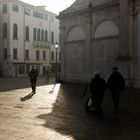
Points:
x=97 y=88
x=116 y=83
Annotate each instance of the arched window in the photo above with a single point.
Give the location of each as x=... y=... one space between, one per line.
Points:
x=42 y=35
x=46 y=35
x=52 y=37
x=38 y=35
x=27 y=33
x=5 y=30
x=34 y=34
x=15 y=29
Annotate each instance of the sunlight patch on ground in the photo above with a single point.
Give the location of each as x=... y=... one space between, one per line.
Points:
x=43 y=100
x=19 y=117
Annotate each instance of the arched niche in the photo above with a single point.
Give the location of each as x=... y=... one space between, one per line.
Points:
x=105 y=29
x=105 y=47
x=74 y=52
x=75 y=34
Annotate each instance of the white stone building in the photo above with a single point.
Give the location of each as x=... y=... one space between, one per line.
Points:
x=26 y=35
x=98 y=34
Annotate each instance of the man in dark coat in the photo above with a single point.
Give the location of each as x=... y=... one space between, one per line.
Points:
x=97 y=88
x=33 y=78
x=116 y=83
x=47 y=76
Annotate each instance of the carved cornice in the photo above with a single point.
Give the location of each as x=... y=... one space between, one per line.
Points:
x=87 y=9
x=137 y=10
x=124 y=57
x=137 y=7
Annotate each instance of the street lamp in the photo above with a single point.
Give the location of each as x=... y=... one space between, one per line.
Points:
x=56 y=47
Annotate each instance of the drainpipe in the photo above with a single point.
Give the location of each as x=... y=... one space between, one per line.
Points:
x=24 y=37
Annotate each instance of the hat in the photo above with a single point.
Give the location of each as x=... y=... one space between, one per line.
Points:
x=96 y=73
x=114 y=68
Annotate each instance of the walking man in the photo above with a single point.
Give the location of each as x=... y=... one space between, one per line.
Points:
x=33 y=78
x=47 y=76
x=116 y=83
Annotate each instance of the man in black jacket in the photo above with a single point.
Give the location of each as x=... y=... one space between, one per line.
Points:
x=97 y=88
x=116 y=83
x=33 y=78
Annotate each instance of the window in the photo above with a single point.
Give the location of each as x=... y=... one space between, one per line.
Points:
x=15 y=31
x=27 y=69
x=42 y=35
x=37 y=55
x=38 y=68
x=46 y=17
x=5 y=30
x=34 y=33
x=59 y=56
x=27 y=33
x=46 y=35
x=21 y=69
x=52 y=56
x=52 y=18
x=38 y=35
x=38 y=15
x=27 y=11
x=52 y=37
x=44 y=55
x=27 y=54
x=5 y=53
x=15 y=8
x=4 y=8
x=15 y=53
x=59 y=67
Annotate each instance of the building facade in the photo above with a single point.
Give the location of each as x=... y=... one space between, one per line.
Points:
x=98 y=34
x=27 y=34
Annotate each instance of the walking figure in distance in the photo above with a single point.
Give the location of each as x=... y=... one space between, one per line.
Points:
x=33 y=78
x=47 y=76
x=97 y=89
x=116 y=83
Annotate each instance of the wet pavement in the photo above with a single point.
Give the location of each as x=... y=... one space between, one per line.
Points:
x=56 y=112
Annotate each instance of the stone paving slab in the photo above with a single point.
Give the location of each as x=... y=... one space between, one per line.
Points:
x=59 y=114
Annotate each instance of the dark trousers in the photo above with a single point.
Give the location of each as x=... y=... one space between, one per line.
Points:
x=47 y=78
x=116 y=99
x=86 y=103
x=33 y=86
x=97 y=101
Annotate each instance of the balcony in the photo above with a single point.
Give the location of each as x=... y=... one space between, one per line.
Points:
x=41 y=44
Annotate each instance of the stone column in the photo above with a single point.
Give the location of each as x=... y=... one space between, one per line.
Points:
x=124 y=29
x=88 y=46
x=62 y=46
x=136 y=46
x=126 y=38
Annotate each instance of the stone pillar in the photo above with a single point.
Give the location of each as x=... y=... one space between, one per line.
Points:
x=136 y=46
x=124 y=29
x=126 y=39
x=62 y=46
x=88 y=46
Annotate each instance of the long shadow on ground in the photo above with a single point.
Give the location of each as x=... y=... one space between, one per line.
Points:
x=69 y=118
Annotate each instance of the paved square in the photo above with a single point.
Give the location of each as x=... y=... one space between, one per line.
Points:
x=59 y=114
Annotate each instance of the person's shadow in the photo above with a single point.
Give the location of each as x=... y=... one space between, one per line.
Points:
x=27 y=97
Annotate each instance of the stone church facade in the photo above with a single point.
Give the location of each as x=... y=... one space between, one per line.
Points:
x=97 y=35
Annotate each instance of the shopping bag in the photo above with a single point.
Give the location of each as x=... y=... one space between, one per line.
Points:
x=90 y=102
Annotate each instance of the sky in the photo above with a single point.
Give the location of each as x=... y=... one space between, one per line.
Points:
x=54 y=6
